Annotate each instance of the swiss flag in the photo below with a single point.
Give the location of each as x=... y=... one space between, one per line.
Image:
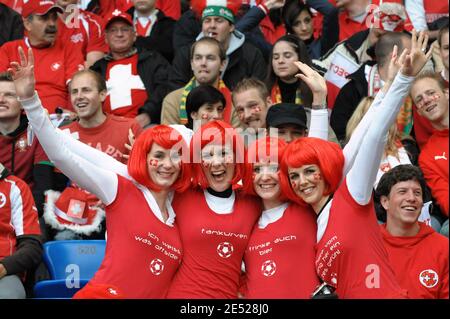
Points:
x=336 y=76
x=76 y=208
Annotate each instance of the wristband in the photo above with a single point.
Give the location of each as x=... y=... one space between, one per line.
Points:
x=319 y=106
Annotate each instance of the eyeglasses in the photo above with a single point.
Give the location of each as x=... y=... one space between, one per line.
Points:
x=121 y=30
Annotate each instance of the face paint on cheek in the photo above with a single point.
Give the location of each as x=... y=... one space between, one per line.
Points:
x=229 y=158
x=317 y=177
x=206 y=164
x=293 y=185
x=253 y=176
x=257 y=109
x=153 y=162
x=205 y=116
x=436 y=97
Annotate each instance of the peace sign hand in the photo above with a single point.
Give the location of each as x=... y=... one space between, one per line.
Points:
x=417 y=57
x=23 y=74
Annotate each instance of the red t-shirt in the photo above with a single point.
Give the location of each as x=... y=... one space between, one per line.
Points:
x=213 y=245
x=18 y=214
x=53 y=69
x=350 y=256
x=142 y=254
x=109 y=137
x=126 y=91
x=433 y=160
x=85 y=33
x=420 y=262
x=279 y=260
x=19 y=154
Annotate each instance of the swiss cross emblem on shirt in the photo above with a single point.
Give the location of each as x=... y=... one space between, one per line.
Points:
x=429 y=278
x=77 y=38
x=76 y=208
x=21 y=144
x=55 y=66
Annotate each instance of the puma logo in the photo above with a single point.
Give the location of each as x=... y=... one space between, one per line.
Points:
x=438 y=157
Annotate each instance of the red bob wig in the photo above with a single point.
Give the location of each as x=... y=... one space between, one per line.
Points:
x=168 y=138
x=266 y=149
x=310 y=150
x=221 y=133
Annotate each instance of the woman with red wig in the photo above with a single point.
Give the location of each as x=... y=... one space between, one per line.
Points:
x=350 y=257
x=214 y=217
x=279 y=259
x=272 y=270
x=144 y=249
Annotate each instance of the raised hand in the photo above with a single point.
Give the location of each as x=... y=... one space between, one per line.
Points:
x=23 y=74
x=395 y=63
x=416 y=58
x=314 y=81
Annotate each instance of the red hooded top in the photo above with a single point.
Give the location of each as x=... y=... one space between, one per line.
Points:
x=420 y=262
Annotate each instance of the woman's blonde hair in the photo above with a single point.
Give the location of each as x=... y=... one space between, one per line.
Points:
x=391 y=147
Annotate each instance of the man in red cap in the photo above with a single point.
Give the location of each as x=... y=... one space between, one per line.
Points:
x=56 y=61
x=136 y=79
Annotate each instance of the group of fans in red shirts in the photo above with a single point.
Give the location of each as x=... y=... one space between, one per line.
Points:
x=195 y=137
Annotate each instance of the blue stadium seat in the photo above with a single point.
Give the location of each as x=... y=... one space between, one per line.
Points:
x=71 y=264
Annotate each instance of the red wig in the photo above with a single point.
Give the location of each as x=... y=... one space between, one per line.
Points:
x=310 y=150
x=199 y=5
x=168 y=138
x=220 y=133
x=266 y=150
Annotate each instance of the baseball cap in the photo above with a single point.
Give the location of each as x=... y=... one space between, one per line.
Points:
x=39 y=7
x=286 y=113
x=118 y=15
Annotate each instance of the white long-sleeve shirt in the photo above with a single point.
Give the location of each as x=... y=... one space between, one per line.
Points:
x=364 y=151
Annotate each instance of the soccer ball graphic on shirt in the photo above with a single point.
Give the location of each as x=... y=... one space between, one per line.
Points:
x=225 y=249
x=268 y=268
x=156 y=266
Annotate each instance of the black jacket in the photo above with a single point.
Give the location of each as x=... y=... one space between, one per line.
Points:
x=11 y=24
x=245 y=61
x=186 y=29
x=347 y=100
x=152 y=69
x=160 y=38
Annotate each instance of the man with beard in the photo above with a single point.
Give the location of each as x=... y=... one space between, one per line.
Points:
x=56 y=61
